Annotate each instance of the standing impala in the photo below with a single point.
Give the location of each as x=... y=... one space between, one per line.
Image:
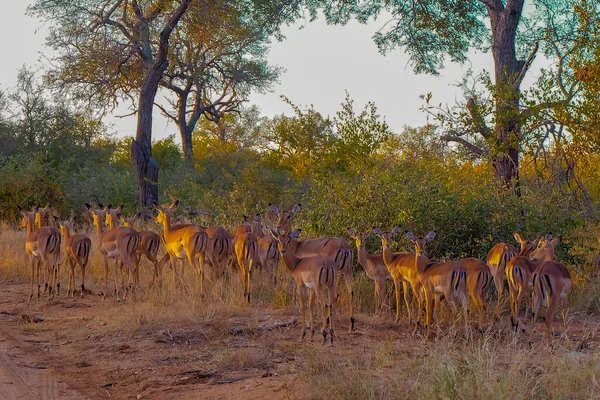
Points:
x=40 y=221
x=336 y=248
x=246 y=252
x=268 y=255
x=497 y=259
x=42 y=245
x=148 y=247
x=519 y=272
x=181 y=242
x=77 y=249
x=478 y=280
x=374 y=266
x=551 y=281
x=315 y=273
x=442 y=279
x=120 y=242
x=406 y=268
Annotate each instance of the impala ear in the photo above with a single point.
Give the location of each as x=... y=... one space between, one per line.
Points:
x=107 y=208
x=120 y=208
x=555 y=240
x=430 y=236
x=88 y=206
x=376 y=231
x=175 y=204
x=273 y=208
x=20 y=208
x=296 y=234
x=518 y=237
x=395 y=231
x=410 y=236
x=351 y=233
x=71 y=220
x=138 y=214
x=295 y=209
x=57 y=219
x=368 y=233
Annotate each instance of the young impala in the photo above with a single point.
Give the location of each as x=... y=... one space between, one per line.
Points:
x=77 y=249
x=336 y=248
x=148 y=247
x=374 y=266
x=551 y=281
x=315 y=274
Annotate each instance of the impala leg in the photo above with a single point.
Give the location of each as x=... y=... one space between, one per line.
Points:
x=407 y=300
x=83 y=265
x=36 y=267
x=116 y=273
x=200 y=270
x=303 y=309
x=311 y=317
x=376 y=298
x=249 y=279
x=397 y=287
x=499 y=282
x=428 y=312
x=348 y=278
x=105 y=276
x=550 y=316
x=71 y=285
x=32 y=263
x=325 y=322
x=330 y=316
x=563 y=302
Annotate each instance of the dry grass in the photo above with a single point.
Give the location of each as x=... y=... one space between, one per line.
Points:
x=381 y=361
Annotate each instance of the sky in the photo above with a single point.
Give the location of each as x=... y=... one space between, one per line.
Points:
x=320 y=63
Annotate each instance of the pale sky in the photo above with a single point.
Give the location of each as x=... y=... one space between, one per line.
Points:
x=321 y=62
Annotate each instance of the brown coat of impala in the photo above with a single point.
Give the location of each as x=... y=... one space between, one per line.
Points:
x=218 y=249
x=148 y=247
x=373 y=265
x=551 y=281
x=478 y=280
x=42 y=246
x=519 y=273
x=118 y=243
x=40 y=221
x=497 y=259
x=77 y=249
x=405 y=268
x=268 y=255
x=182 y=241
x=246 y=253
x=315 y=274
x=336 y=248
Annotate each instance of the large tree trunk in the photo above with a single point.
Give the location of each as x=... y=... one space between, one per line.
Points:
x=186 y=141
x=146 y=167
x=505 y=152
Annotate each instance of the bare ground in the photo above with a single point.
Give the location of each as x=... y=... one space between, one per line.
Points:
x=79 y=347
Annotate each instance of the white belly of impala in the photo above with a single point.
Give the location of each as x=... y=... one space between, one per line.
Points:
x=112 y=253
x=309 y=285
x=36 y=253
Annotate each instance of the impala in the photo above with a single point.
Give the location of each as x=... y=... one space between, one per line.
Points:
x=268 y=255
x=246 y=252
x=181 y=242
x=497 y=259
x=42 y=245
x=120 y=242
x=447 y=280
x=519 y=272
x=218 y=249
x=406 y=268
x=315 y=274
x=336 y=248
x=77 y=249
x=374 y=266
x=478 y=279
x=551 y=281
x=148 y=247
x=40 y=221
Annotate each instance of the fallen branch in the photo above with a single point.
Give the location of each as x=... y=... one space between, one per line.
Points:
x=278 y=325
x=232 y=380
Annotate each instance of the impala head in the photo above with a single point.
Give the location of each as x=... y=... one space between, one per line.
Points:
x=112 y=215
x=65 y=226
x=165 y=213
x=130 y=222
x=420 y=242
x=360 y=238
x=28 y=217
x=284 y=240
x=40 y=214
x=386 y=237
x=545 y=249
x=99 y=215
x=284 y=225
x=526 y=246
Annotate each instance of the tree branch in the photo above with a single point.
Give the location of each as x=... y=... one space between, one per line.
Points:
x=494 y=5
x=526 y=65
x=453 y=136
x=479 y=124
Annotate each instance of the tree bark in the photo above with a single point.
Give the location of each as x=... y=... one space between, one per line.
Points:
x=505 y=150
x=146 y=168
x=186 y=142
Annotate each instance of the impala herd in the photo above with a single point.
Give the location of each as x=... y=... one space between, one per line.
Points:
x=532 y=273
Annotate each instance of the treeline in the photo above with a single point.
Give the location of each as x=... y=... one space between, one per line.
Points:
x=349 y=170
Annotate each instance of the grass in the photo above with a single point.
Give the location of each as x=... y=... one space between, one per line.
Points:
x=382 y=361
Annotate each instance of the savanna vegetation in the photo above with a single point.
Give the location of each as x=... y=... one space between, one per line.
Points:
x=505 y=158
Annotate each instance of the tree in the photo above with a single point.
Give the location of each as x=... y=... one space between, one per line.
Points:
x=216 y=63
x=116 y=48
x=432 y=30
